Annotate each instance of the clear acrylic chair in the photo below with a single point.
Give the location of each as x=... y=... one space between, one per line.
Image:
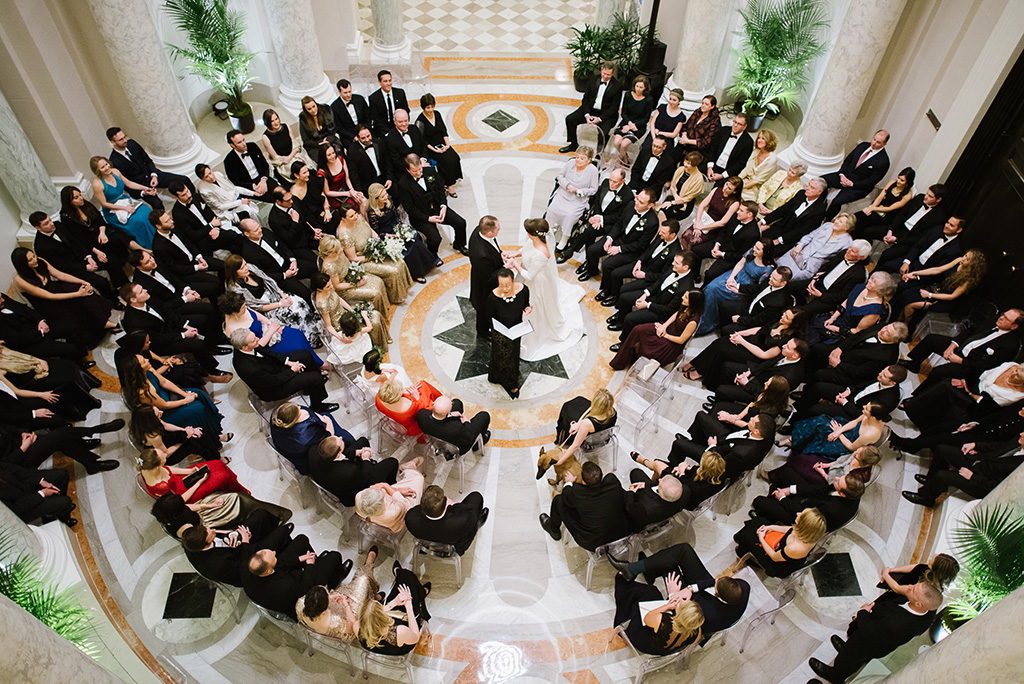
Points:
x=649 y=663
x=286 y=622
x=446 y=452
x=316 y=639
x=620 y=548
x=371 y=533
x=600 y=442
x=394 y=661
x=424 y=548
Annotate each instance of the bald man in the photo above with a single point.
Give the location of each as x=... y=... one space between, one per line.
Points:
x=447 y=422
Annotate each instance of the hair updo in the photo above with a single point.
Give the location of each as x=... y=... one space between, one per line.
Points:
x=536 y=227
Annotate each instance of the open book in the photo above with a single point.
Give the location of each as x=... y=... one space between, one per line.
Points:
x=513 y=333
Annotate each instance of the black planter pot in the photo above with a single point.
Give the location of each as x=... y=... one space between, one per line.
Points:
x=243 y=121
x=579 y=81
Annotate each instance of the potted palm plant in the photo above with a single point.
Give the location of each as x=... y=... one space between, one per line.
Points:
x=780 y=39
x=586 y=49
x=215 y=51
x=622 y=43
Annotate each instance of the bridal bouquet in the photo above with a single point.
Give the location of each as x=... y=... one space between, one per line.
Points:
x=388 y=248
x=355 y=273
x=405 y=232
x=363 y=307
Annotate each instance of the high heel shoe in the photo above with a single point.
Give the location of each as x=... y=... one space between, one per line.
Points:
x=635 y=455
x=426 y=589
x=395 y=567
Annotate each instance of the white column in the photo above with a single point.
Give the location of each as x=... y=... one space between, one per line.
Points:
x=293 y=33
x=390 y=43
x=703 y=36
x=144 y=71
x=862 y=39
x=21 y=170
x=605 y=10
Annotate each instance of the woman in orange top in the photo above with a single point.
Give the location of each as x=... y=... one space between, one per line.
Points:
x=401 y=404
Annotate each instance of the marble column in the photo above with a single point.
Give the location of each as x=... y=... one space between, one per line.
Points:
x=605 y=10
x=21 y=170
x=704 y=28
x=293 y=33
x=144 y=71
x=390 y=43
x=861 y=42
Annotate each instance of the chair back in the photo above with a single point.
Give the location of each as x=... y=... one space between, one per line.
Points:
x=649 y=663
x=435 y=549
x=601 y=438
x=139 y=480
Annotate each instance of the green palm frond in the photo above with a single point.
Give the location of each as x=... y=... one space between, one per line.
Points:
x=622 y=42
x=216 y=52
x=990 y=546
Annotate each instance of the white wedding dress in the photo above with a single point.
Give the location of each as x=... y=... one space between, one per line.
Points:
x=556 y=317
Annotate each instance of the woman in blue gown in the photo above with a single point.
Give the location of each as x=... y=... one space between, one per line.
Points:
x=867 y=305
x=188 y=407
x=296 y=429
x=108 y=187
x=272 y=334
x=754 y=267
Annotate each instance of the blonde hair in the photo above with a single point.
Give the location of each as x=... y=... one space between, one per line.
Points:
x=603 y=404
x=374 y=624
x=391 y=391
x=369 y=502
x=148 y=459
x=711 y=468
x=809 y=526
x=329 y=246
x=286 y=415
x=374 y=193
x=587 y=150
x=851 y=221
x=770 y=140
x=94 y=163
x=688 y=619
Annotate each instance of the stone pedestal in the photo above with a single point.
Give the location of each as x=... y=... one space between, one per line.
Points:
x=703 y=36
x=21 y=169
x=862 y=40
x=144 y=71
x=390 y=43
x=293 y=33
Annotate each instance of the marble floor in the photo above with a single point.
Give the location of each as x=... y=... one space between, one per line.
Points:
x=522 y=613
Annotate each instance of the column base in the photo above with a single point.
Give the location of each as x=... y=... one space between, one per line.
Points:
x=817 y=164
x=55 y=553
x=185 y=162
x=691 y=98
x=291 y=98
x=391 y=54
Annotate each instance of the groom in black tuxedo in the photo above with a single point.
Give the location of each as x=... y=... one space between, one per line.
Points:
x=484 y=261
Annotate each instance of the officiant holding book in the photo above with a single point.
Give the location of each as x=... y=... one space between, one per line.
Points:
x=506 y=306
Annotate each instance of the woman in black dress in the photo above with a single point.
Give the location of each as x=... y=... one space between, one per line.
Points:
x=383 y=217
x=892 y=198
x=175 y=443
x=311 y=200
x=380 y=630
x=316 y=126
x=280 y=147
x=507 y=304
x=439 y=150
x=109 y=244
x=581 y=417
x=666 y=629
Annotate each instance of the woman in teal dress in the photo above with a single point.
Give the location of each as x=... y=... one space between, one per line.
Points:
x=754 y=267
x=119 y=209
x=829 y=439
x=188 y=407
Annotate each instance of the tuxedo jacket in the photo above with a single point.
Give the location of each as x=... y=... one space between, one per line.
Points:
x=418 y=203
x=139 y=168
x=861 y=359
x=163 y=331
x=379 y=109
x=264 y=372
x=484 y=262
x=784 y=224
x=398 y=149
x=952 y=249
x=885 y=627
x=896 y=221
x=666 y=301
x=294 y=234
x=235 y=169
x=639 y=238
x=20 y=324
x=222 y=564
x=994 y=464
x=888 y=397
x=661 y=174
x=832 y=296
x=761 y=372
x=172 y=258
x=343 y=123
x=458 y=525
x=867 y=175
x=737 y=158
x=189 y=225
x=621 y=199
x=62 y=250
x=608 y=109
x=742 y=454
x=348 y=476
x=837 y=510
x=656 y=259
x=763 y=311
x=364 y=173
x=736 y=239
x=451 y=429
x=644 y=507
x=595 y=514
x=989 y=355
x=255 y=254
x=167 y=298
x=291 y=577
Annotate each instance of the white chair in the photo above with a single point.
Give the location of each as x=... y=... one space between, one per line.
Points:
x=371 y=533
x=424 y=548
x=600 y=441
x=649 y=663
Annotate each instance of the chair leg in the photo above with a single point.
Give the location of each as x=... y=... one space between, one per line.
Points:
x=590 y=571
x=366 y=663
x=458 y=570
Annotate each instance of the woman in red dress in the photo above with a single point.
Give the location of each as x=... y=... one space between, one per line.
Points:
x=401 y=404
x=339 y=184
x=159 y=478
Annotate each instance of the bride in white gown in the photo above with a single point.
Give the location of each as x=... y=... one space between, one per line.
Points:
x=556 y=317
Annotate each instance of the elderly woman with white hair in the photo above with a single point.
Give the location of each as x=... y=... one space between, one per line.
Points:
x=778 y=189
x=576 y=182
x=386 y=505
x=865 y=306
x=810 y=253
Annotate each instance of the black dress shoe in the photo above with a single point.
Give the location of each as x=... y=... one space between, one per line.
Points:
x=346 y=568
x=915 y=498
x=583 y=277
x=462 y=250
x=613 y=318
x=622 y=567
x=837 y=642
x=911 y=366
x=86 y=364
x=486 y=436
x=70 y=522
x=562 y=258
x=90 y=442
x=581 y=269
x=483 y=517
x=600 y=296
x=101 y=465
x=822 y=670
x=326 y=407
x=615 y=327
x=545 y=522
x=112 y=426
x=922 y=478
x=567 y=149
x=608 y=303
x=615 y=347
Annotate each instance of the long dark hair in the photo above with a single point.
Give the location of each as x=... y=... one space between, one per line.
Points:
x=19 y=257
x=694 y=306
x=798 y=327
x=134 y=382
x=774 y=398
x=69 y=212
x=145 y=424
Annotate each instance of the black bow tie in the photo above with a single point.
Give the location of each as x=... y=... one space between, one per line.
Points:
x=734 y=136
x=243 y=154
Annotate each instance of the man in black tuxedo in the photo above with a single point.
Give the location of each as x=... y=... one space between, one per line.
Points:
x=25 y=330
x=742 y=450
x=734 y=240
x=199 y=224
x=284 y=221
x=648 y=501
x=439 y=519
x=169 y=333
x=826 y=398
x=594 y=511
x=656 y=303
x=626 y=238
x=350 y=112
x=403 y=140
x=879 y=628
x=653 y=167
x=905 y=226
x=247 y=168
x=272 y=376
x=729 y=151
x=970 y=353
x=284 y=569
x=222 y=556
x=798 y=216
x=606 y=205
x=178 y=255
x=745 y=382
x=421 y=193
x=128 y=157
x=974 y=469
x=838 y=275
x=63 y=250
x=448 y=422
x=485 y=259
x=653 y=262
x=722 y=601
x=346 y=467
x=600 y=106
x=860 y=172
x=287 y=268
x=384 y=103
x=368 y=162
x=837 y=502
x=861 y=356
x=760 y=305
x=939 y=246
x=170 y=292
x=37 y=494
